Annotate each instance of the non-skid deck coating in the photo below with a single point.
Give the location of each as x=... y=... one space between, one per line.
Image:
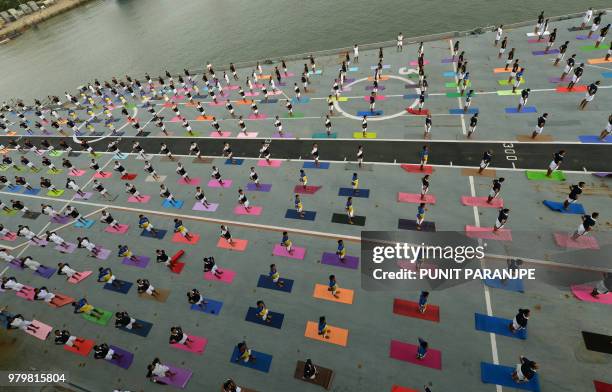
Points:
x=364 y=364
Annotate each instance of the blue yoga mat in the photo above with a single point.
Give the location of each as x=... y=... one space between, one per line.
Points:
x=276 y=322
x=262 y=361
x=160 y=234
x=412 y=96
x=177 y=204
x=524 y=109
x=295 y=101
x=594 y=139
x=293 y=214
x=606 y=74
x=125 y=287
x=13 y=189
x=266 y=283
x=460 y=111
x=365 y=193
x=311 y=165
x=33 y=191
x=212 y=307
x=448 y=74
x=144 y=331
x=502 y=375
x=270 y=100
x=575 y=208
x=323 y=135
x=510 y=284
x=236 y=162
x=497 y=325
x=369 y=113
x=86 y=225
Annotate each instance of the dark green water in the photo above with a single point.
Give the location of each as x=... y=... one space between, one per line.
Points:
x=115 y=37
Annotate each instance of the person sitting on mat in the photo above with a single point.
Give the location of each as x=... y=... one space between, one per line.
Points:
x=286 y=242
x=10 y=283
x=245 y=354
x=524 y=371
x=195 y=298
x=230 y=386
x=225 y=233
x=423 y=301
x=333 y=286
x=65 y=269
x=162 y=257
x=263 y=312
x=310 y=370
x=322 y=328
x=144 y=287
x=181 y=229
x=275 y=276
x=64 y=337
x=216 y=174
x=520 y=321
x=29 y=262
x=103 y=351
x=84 y=242
x=18 y=322
x=106 y=275
x=157 y=369
x=350 y=212
x=145 y=223
x=420 y=216
x=303 y=178
x=355 y=184
x=43 y=294
x=74 y=214
x=82 y=306
x=177 y=336
x=422 y=349
x=604 y=286
x=123 y=320
x=106 y=217
x=211 y=266
x=124 y=251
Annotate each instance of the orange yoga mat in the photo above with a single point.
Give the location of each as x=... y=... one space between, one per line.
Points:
x=601 y=60
x=345 y=295
x=502 y=70
x=337 y=335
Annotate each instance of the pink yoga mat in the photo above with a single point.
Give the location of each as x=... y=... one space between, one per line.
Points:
x=122 y=229
x=81 y=276
x=195 y=181
x=260 y=116
x=215 y=184
x=76 y=173
x=296 y=252
x=226 y=277
x=415 y=198
x=407 y=353
x=585 y=242
x=143 y=199
x=197 y=346
x=488 y=233
x=583 y=293
x=481 y=202
x=26 y=293
x=177 y=119
x=218 y=103
x=241 y=135
x=414 y=62
x=378 y=97
x=103 y=175
x=253 y=94
x=12 y=236
x=273 y=163
x=177 y=237
x=223 y=134
x=42 y=332
x=212 y=207
x=253 y=210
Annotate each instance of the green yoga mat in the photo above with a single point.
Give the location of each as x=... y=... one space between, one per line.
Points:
x=56 y=153
x=592 y=48
x=505 y=82
x=369 y=135
x=103 y=320
x=454 y=84
x=508 y=92
x=457 y=95
x=541 y=175
x=296 y=115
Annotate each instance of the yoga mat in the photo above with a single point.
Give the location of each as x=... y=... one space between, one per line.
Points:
x=69 y=249
x=543 y=52
x=61 y=300
x=198 y=345
x=564 y=240
x=226 y=277
x=76 y=173
x=161 y=297
x=524 y=109
x=601 y=60
x=103 y=254
x=195 y=181
x=454 y=84
x=80 y=277
x=482 y=202
x=307 y=190
x=346 y=296
x=177 y=237
x=417 y=169
x=410 y=224
x=369 y=113
x=411 y=309
x=42 y=332
x=248 y=135
x=601 y=386
x=212 y=207
x=176 y=204
x=253 y=210
x=293 y=214
x=535 y=175
x=311 y=165
x=262 y=361
x=497 y=325
x=103 y=320
x=82 y=348
x=260 y=116
x=460 y=111
x=212 y=307
x=122 y=229
x=61 y=219
x=285 y=135
x=143 y=199
x=262 y=187
x=85 y=196
x=583 y=293
x=160 y=234
x=508 y=92
x=31 y=215
x=267 y=283
x=296 y=252
x=32 y=192
x=126 y=359
x=144 y=331
x=237 y=244
x=215 y=184
x=129 y=176
x=593 y=139
x=515 y=285
x=336 y=335
x=488 y=233
x=323 y=376
x=302 y=100
x=179 y=380
x=343 y=218
x=397 y=388
x=272 y=163
x=592 y=48
x=407 y=352
x=365 y=193
x=141 y=261
x=329 y=258
x=45 y=272
x=502 y=375
x=13 y=189
x=574 y=208
x=123 y=289
x=236 y=162
x=415 y=198
x=368 y=135
x=275 y=322
x=597 y=342
x=418 y=112
x=27 y=293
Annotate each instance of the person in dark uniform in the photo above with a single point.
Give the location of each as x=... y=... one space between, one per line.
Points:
x=575 y=191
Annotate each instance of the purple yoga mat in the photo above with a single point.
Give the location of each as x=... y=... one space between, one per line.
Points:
x=71 y=247
x=351 y=262
x=286 y=135
x=262 y=187
x=543 y=53
x=103 y=254
x=126 y=358
x=558 y=80
x=584 y=37
x=15 y=264
x=380 y=88
x=86 y=196
x=61 y=219
x=349 y=80
x=179 y=380
x=448 y=60
x=45 y=272
x=212 y=207
x=142 y=262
